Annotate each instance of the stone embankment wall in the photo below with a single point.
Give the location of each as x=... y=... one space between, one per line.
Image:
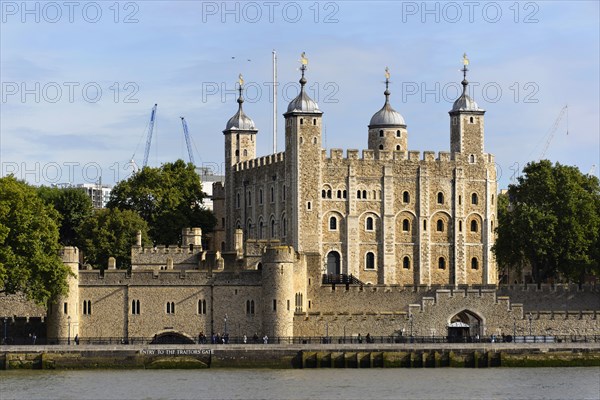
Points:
x=298 y=356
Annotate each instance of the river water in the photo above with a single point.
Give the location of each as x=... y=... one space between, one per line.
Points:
x=369 y=384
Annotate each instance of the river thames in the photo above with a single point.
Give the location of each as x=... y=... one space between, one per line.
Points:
x=372 y=384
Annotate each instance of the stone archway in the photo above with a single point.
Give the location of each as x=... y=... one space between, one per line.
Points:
x=171 y=337
x=465 y=326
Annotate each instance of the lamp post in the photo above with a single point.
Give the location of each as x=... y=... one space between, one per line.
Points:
x=69 y=329
x=5 y=332
x=225 y=319
x=410 y=318
x=514 y=328
x=530 y=318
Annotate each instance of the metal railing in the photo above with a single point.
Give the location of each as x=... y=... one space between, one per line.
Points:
x=220 y=341
x=341 y=279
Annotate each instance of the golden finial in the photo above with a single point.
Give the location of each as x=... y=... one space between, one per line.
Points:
x=465 y=59
x=387 y=73
x=303 y=59
x=241 y=80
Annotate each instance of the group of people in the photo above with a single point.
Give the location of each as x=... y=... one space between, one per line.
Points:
x=368 y=338
x=217 y=338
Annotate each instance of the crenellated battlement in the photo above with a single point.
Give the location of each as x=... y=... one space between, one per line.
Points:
x=408 y=156
x=260 y=162
x=167 y=278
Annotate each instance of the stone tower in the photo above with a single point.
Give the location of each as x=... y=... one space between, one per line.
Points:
x=303 y=164
x=387 y=129
x=63 y=314
x=240 y=145
x=466 y=123
x=278 y=291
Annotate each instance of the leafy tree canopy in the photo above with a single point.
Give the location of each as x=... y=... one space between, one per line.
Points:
x=168 y=198
x=552 y=222
x=73 y=205
x=29 y=246
x=111 y=233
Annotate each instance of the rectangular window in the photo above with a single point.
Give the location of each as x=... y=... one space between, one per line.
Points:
x=65 y=308
x=288 y=305
x=274 y=305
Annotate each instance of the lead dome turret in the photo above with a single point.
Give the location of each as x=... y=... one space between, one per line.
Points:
x=387 y=128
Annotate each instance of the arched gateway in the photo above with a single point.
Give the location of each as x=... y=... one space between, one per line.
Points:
x=464 y=327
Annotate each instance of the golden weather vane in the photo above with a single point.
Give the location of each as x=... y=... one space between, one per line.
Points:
x=465 y=59
x=387 y=73
x=241 y=80
x=303 y=59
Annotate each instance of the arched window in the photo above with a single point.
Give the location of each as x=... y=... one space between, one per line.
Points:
x=471 y=120
x=381 y=133
x=405 y=225
x=260 y=196
x=397 y=147
x=329 y=193
x=474 y=263
x=380 y=147
x=460 y=226
x=339 y=194
x=314 y=121
x=344 y=195
x=472 y=158
x=301 y=121
x=440 y=225
x=333 y=223
x=364 y=194
x=369 y=224
x=201 y=307
x=370 y=261
x=406 y=262
x=260 y=230
x=308 y=205
x=440 y=198
x=473 y=226
x=237 y=200
x=272 y=194
x=272 y=228
x=442 y=263
x=301 y=140
x=237 y=153
x=284 y=222
x=323 y=193
x=398 y=133
x=358 y=193
x=406 y=197
x=474 y=198
x=249 y=198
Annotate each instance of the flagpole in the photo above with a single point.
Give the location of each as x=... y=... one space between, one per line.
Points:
x=274 y=102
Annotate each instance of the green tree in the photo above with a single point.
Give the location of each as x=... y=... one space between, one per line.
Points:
x=111 y=233
x=552 y=223
x=29 y=247
x=74 y=207
x=168 y=198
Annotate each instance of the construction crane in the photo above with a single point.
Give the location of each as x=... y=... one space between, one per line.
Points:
x=149 y=139
x=563 y=111
x=187 y=140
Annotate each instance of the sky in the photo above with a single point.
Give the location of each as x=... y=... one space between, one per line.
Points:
x=79 y=78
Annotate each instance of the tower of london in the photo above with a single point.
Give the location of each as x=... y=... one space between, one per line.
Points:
x=387 y=241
